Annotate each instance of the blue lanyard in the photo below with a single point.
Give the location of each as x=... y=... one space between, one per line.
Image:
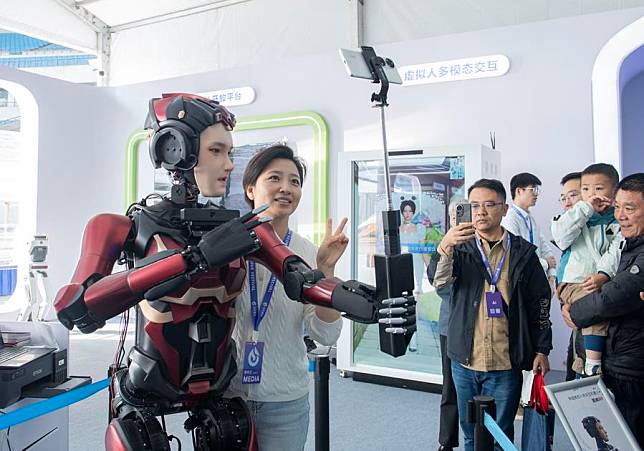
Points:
x=493 y=279
x=257 y=312
x=527 y=221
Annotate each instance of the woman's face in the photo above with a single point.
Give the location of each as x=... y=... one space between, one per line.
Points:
x=214 y=165
x=278 y=185
x=407 y=213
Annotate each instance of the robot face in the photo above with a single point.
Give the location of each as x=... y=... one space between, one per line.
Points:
x=214 y=164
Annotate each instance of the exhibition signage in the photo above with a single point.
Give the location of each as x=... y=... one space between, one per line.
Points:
x=454 y=70
x=232 y=96
x=590 y=416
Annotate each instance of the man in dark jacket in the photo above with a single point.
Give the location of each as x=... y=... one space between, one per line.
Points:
x=499 y=320
x=619 y=302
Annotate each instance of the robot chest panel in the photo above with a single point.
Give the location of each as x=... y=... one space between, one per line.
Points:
x=221 y=285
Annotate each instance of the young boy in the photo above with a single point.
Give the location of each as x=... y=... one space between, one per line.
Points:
x=591 y=233
x=525 y=188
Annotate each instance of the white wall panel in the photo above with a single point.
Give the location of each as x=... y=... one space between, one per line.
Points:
x=80 y=169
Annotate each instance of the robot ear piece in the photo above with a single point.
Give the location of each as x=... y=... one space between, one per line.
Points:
x=174 y=146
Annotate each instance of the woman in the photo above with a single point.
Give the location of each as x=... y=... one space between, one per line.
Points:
x=412 y=237
x=279 y=402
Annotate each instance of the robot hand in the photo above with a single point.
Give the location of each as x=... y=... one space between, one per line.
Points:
x=358 y=302
x=230 y=241
x=72 y=310
x=399 y=315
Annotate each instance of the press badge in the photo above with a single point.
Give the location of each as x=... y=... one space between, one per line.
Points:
x=494 y=304
x=253 y=358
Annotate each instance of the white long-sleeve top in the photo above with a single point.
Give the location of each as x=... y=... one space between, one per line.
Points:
x=593 y=248
x=285 y=366
x=517 y=221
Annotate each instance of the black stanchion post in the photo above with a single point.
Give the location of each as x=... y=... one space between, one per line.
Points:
x=321 y=377
x=476 y=409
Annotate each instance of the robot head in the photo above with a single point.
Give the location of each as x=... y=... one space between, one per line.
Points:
x=594 y=428
x=176 y=121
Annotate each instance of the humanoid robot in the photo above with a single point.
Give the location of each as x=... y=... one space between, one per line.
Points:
x=186 y=265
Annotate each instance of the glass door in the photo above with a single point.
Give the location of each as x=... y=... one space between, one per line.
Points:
x=422 y=189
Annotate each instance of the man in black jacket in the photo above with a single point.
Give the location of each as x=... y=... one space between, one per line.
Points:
x=619 y=302
x=499 y=320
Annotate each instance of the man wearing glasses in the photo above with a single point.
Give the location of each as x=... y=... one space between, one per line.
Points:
x=576 y=355
x=525 y=189
x=620 y=302
x=570 y=190
x=499 y=320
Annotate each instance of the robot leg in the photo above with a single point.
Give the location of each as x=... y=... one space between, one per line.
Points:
x=133 y=423
x=222 y=425
x=134 y=430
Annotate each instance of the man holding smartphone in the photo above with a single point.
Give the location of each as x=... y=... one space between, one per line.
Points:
x=499 y=319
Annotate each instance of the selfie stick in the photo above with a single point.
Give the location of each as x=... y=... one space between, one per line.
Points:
x=394 y=269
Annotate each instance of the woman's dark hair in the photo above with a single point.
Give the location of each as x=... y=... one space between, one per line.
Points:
x=408 y=203
x=263 y=158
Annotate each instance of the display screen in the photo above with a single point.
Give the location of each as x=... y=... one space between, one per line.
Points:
x=422 y=189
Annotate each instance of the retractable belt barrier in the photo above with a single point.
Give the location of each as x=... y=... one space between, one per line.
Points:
x=481 y=411
x=52 y=404
x=498 y=434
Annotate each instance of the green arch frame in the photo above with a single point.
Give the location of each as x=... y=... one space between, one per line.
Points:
x=299 y=118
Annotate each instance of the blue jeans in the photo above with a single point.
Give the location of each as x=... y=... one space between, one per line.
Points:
x=503 y=386
x=281 y=426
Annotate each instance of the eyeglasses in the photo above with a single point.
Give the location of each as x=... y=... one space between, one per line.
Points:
x=487 y=205
x=570 y=196
x=535 y=189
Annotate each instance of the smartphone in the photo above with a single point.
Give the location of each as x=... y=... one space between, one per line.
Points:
x=463 y=213
x=357 y=67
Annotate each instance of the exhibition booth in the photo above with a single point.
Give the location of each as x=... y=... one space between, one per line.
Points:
x=85 y=151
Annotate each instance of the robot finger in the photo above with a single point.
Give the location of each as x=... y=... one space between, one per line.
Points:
x=251 y=225
x=395 y=330
x=395 y=301
x=395 y=311
x=398 y=321
x=251 y=214
x=401 y=330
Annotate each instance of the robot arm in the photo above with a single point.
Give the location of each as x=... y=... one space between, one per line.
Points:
x=358 y=301
x=95 y=295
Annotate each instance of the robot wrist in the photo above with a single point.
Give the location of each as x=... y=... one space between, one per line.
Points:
x=76 y=313
x=356 y=300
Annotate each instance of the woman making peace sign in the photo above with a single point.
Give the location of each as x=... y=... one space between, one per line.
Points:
x=271 y=355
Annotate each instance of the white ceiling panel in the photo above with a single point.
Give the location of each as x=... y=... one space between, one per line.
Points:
x=118 y=12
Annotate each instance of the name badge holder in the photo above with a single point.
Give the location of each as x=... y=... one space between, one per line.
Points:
x=254 y=349
x=493 y=298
